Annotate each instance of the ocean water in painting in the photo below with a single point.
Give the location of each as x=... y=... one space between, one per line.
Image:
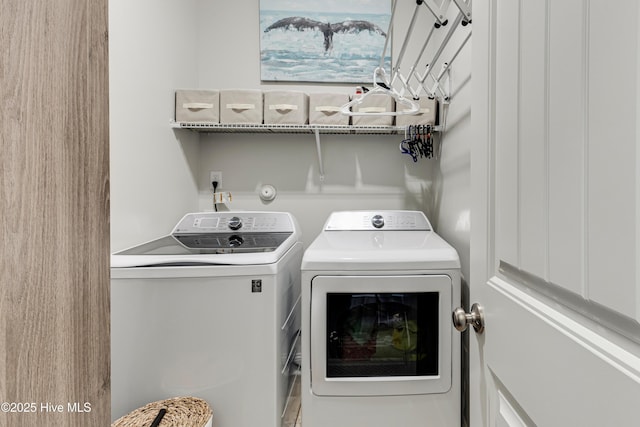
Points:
x=291 y=55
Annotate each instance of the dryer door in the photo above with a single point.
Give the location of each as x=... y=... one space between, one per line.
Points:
x=380 y=335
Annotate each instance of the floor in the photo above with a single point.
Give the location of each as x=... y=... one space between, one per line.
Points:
x=293 y=413
x=294 y=418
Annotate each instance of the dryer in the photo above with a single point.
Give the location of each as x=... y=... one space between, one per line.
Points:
x=378 y=346
x=210 y=310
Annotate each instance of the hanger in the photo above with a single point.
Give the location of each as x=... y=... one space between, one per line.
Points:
x=413 y=107
x=418 y=140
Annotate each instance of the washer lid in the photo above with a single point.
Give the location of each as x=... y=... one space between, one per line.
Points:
x=209 y=244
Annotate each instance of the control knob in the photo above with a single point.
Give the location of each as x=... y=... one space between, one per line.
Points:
x=377 y=221
x=235 y=241
x=235 y=223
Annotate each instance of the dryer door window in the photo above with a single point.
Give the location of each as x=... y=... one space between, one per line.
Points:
x=380 y=335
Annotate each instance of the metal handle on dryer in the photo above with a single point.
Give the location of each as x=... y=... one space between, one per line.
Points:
x=462 y=319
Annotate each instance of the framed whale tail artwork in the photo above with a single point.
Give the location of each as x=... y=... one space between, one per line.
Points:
x=334 y=41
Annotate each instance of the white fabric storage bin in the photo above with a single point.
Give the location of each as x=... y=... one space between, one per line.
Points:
x=374 y=103
x=425 y=116
x=198 y=106
x=240 y=106
x=286 y=107
x=324 y=109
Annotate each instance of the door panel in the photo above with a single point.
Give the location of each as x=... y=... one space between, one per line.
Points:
x=532 y=158
x=506 y=152
x=507 y=416
x=613 y=165
x=555 y=366
x=565 y=129
x=556 y=226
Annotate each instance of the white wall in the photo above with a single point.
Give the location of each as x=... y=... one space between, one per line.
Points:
x=152 y=51
x=451 y=180
x=361 y=172
x=158 y=174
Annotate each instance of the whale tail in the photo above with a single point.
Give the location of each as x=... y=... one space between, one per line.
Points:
x=299 y=23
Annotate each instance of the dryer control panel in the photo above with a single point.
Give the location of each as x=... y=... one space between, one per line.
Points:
x=377 y=220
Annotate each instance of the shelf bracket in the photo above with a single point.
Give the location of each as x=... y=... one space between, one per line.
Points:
x=316 y=131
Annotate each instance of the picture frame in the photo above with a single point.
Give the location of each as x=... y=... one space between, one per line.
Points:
x=335 y=41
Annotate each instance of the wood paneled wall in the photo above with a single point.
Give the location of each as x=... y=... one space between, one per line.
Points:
x=54 y=213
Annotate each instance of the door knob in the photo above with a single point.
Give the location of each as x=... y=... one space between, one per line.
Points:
x=461 y=319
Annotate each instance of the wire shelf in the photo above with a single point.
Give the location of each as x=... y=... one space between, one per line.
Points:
x=284 y=128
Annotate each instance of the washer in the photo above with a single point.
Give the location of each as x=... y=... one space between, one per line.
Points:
x=378 y=346
x=212 y=311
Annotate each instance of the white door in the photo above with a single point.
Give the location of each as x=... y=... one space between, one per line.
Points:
x=556 y=213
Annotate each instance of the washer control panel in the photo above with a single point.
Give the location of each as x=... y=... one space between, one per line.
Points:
x=241 y=222
x=377 y=220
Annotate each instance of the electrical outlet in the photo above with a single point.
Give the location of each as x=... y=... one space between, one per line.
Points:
x=215 y=176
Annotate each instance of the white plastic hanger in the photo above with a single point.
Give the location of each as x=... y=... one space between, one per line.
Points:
x=412 y=106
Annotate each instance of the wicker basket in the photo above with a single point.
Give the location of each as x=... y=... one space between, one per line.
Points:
x=181 y=412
